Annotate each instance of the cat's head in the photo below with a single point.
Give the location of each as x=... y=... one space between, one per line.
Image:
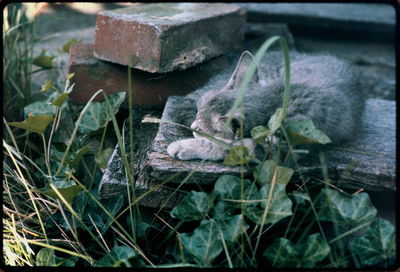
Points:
x=213 y=107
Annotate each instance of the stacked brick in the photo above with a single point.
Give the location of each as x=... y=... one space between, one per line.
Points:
x=172 y=49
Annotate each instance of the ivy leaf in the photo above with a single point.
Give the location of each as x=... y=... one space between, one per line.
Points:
x=92 y=218
x=80 y=203
x=103 y=156
x=259 y=133
x=223 y=209
x=48 y=85
x=313 y=250
x=194 y=206
x=79 y=154
x=300 y=198
x=95 y=214
x=345 y=209
x=275 y=121
x=113 y=204
x=283 y=253
x=279 y=205
x=44 y=60
x=46 y=257
x=238 y=155
x=119 y=255
x=265 y=172
x=304 y=132
x=36 y=124
x=65 y=262
x=65 y=128
x=204 y=243
x=232 y=227
x=68 y=189
x=68 y=44
x=140 y=226
x=97 y=115
x=39 y=108
x=378 y=246
x=59 y=100
x=227 y=188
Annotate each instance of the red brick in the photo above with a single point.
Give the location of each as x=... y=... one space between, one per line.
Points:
x=149 y=90
x=168 y=36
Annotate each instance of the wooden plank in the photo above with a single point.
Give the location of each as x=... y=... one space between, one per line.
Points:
x=367 y=162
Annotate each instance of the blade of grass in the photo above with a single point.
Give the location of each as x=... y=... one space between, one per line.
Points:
x=78 y=122
x=24 y=182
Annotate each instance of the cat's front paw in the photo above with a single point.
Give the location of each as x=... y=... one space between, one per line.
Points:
x=182 y=149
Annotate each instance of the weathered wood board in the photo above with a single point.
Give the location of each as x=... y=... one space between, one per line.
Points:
x=366 y=162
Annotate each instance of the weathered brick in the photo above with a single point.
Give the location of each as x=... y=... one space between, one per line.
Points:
x=168 y=36
x=149 y=90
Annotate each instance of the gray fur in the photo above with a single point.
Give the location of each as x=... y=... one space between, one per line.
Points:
x=324 y=89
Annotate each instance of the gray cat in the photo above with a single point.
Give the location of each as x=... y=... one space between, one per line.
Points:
x=323 y=89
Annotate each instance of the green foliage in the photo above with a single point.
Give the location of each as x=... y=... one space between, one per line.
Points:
x=91 y=212
x=345 y=209
x=67 y=189
x=120 y=255
x=304 y=132
x=204 y=243
x=194 y=206
x=238 y=155
x=266 y=172
x=46 y=257
x=377 y=246
x=18 y=41
x=97 y=115
x=283 y=253
x=140 y=226
x=275 y=121
x=47 y=86
x=35 y=124
x=79 y=155
x=59 y=100
x=103 y=156
x=259 y=133
x=276 y=205
x=232 y=227
x=39 y=108
x=44 y=60
x=67 y=45
x=230 y=190
x=300 y=198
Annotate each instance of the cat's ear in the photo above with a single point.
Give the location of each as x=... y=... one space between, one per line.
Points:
x=238 y=75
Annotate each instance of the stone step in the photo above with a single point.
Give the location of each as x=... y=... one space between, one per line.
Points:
x=355 y=16
x=165 y=37
x=149 y=90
